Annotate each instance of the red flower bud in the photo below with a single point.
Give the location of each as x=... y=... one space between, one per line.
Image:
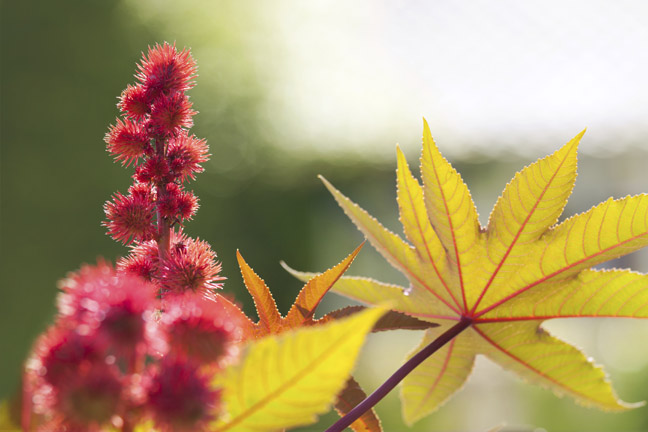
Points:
x=135 y=102
x=91 y=397
x=199 y=328
x=190 y=265
x=180 y=398
x=185 y=155
x=164 y=70
x=127 y=141
x=115 y=308
x=170 y=114
x=142 y=261
x=155 y=169
x=131 y=217
x=177 y=203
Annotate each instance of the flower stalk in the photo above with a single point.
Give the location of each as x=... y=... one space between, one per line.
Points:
x=399 y=375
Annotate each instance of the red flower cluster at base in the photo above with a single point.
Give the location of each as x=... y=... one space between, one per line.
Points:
x=116 y=355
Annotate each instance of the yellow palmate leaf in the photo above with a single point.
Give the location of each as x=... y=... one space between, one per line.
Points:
x=453 y=215
x=413 y=302
x=529 y=206
x=419 y=231
x=436 y=379
x=287 y=380
x=395 y=250
x=7 y=424
x=500 y=282
x=540 y=358
x=593 y=293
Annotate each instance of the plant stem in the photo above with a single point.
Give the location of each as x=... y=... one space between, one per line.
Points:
x=163 y=225
x=399 y=375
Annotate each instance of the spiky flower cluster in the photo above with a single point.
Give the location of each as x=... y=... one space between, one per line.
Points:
x=114 y=358
x=153 y=136
x=142 y=342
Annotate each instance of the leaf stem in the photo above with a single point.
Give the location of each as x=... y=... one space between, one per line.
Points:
x=399 y=375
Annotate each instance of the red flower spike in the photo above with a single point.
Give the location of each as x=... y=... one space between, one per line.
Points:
x=170 y=114
x=130 y=217
x=164 y=70
x=198 y=327
x=135 y=102
x=185 y=155
x=190 y=266
x=180 y=398
x=127 y=141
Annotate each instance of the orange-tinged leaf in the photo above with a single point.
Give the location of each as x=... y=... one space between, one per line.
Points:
x=269 y=316
x=301 y=314
x=349 y=397
x=235 y=314
x=504 y=280
x=286 y=380
x=311 y=295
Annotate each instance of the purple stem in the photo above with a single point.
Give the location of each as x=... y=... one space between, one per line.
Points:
x=399 y=375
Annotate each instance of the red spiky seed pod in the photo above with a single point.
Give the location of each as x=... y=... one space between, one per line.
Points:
x=180 y=396
x=142 y=261
x=199 y=328
x=187 y=205
x=190 y=266
x=134 y=102
x=116 y=308
x=170 y=114
x=177 y=203
x=155 y=169
x=185 y=155
x=131 y=217
x=60 y=351
x=164 y=70
x=127 y=141
x=90 y=398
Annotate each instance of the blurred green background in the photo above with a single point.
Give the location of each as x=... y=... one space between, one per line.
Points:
x=288 y=90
